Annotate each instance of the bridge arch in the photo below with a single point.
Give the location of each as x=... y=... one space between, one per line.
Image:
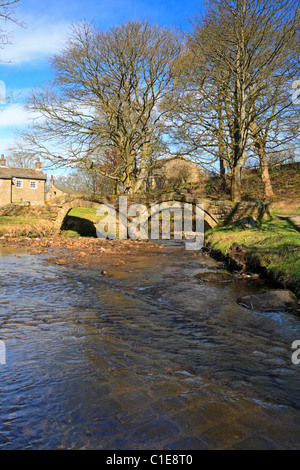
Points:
x=68 y=206
x=84 y=201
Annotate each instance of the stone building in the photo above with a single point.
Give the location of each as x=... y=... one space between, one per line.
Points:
x=56 y=190
x=176 y=172
x=18 y=185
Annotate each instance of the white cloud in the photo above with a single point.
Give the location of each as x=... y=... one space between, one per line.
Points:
x=15 y=115
x=37 y=41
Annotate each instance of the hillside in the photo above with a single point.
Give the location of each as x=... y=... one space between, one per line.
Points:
x=286 y=186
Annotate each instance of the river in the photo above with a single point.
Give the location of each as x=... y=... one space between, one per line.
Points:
x=146 y=358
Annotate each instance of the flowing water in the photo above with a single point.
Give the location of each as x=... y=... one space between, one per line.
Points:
x=147 y=358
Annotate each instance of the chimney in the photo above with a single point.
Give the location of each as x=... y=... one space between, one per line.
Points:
x=51 y=184
x=38 y=165
x=2 y=161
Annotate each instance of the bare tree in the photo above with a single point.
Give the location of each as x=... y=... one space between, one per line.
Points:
x=7 y=14
x=105 y=95
x=81 y=180
x=242 y=55
x=274 y=128
x=19 y=158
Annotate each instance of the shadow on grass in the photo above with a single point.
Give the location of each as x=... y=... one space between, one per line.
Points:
x=84 y=227
x=290 y=222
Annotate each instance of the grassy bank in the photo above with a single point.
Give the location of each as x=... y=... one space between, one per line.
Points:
x=273 y=248
x=21 y=221
x=25 y=227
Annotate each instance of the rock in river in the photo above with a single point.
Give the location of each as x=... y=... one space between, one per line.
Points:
x=271 y=300
x=214 y=276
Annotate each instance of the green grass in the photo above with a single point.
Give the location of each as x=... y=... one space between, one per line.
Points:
x=88 y=213
x=286 y=211
x=276 y=243
x=16 y=226
x=70 y=234
x=15 y=220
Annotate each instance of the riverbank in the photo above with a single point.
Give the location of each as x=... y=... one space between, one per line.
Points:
x=272 y=250
x=83 y=251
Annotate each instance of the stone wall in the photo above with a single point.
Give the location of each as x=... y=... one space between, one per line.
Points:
x=5 y=192
x=10 y=193
x=227 y=211
x=34 y=196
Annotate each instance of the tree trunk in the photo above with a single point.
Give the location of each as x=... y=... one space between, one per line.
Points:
x=128 y=179
x=265 y=176
x=141 y=181
x=115 y=187
x=128 y=185
x=236 y=184
x=223 y=173
x=221 y=143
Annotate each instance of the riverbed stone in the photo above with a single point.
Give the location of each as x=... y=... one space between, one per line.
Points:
x=212 y=276
x=280 y=299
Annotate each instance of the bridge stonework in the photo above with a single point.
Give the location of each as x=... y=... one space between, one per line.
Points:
x=216 y=212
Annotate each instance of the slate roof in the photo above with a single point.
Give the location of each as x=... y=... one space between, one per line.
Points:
x=9 y=172
x=163 y=161
x=63 y=189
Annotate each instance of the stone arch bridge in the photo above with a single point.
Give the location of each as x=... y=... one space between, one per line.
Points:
x=215 y=212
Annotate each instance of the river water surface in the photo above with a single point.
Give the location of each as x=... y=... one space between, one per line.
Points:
x=147 y=358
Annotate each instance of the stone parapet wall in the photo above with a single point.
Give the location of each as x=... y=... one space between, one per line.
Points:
x=215 y=211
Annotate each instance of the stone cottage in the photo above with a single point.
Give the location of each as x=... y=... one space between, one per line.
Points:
x=19 y=185
x=176 y=172
x=56 y=190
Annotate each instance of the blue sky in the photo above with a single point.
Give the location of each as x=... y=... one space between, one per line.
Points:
x=24 y=63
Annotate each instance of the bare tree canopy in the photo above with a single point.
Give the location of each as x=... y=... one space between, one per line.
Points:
x=7 y=13
x=105 y=96
x=236 y=75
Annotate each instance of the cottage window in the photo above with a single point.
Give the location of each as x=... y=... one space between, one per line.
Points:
x=19 y=184
x=33 y=184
